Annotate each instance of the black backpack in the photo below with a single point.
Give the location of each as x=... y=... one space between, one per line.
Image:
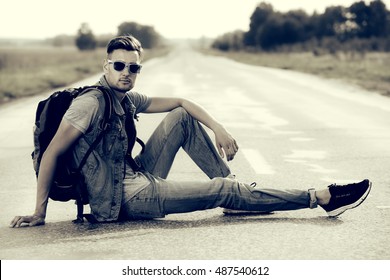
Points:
x=68 y=183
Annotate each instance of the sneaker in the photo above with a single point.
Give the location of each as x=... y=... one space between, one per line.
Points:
x=346 y=197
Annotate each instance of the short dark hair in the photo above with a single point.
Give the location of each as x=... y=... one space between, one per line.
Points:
x=126 y=42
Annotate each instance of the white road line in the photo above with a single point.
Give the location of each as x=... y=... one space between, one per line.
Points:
x=306 y=154
x=383 y=207
x=257 y=161
x=301 y=139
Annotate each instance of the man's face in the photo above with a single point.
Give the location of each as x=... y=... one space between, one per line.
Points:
x=122 y=80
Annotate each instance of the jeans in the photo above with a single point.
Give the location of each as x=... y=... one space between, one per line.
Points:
x=177 y=130
x=162 y=197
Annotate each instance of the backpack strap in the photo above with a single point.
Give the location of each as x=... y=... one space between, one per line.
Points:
x=141 y=143
x=130 y=160
x=131 y=137
x=107 y=116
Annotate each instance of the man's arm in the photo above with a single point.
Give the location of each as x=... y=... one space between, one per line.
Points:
x=63 y=139
x=224 y=141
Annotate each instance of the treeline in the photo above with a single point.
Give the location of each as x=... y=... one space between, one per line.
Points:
x=359 y=27
x=87 y=40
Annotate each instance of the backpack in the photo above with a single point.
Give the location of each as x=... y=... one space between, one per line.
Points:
x=68 y=183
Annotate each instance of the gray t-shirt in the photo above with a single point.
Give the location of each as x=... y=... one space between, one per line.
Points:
x=83 y=109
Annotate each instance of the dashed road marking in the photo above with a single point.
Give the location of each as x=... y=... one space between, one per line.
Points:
x=301 y=139
x=257 y=161
x=383 y=207
x=306 y=154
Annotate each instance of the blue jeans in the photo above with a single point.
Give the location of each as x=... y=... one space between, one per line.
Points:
x=162 y=197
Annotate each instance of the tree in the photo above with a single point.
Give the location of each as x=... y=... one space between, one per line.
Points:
x=85 y=39
x=377 y=24
x=296 y=26
x=144 y=33
x=361 y=26
x=361 y=16
x=370 y=20
x=257 y=20
x=329 y=22
x=280 y=29
x=272 y=32
x=268 y=29
x=229 y=41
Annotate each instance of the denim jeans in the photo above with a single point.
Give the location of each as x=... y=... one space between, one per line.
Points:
x=180 y=130
x=162 y=197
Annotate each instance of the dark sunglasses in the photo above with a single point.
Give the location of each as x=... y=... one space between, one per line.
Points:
x=120 y=66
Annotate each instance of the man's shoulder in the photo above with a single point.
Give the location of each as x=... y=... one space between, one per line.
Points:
x=134 y=94
x=137 y=97
x=94 y=91
x=88 y=99
x=139 y=100
x=92 y=94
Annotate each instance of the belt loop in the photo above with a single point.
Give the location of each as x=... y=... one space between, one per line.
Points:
x=313 y=198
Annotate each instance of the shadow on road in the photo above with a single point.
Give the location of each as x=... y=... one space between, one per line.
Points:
x=66 y=231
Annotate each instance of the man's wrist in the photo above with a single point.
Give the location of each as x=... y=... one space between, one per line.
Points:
x=39 y=215
x=216 y=127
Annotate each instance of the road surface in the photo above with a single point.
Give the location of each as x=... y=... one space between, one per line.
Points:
x=294 y=130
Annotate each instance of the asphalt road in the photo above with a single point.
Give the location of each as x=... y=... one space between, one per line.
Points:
x=294 y=130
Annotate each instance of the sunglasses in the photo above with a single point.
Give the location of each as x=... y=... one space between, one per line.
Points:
x=120 y=66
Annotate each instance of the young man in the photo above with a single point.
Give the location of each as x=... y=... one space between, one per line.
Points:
x=121 y=187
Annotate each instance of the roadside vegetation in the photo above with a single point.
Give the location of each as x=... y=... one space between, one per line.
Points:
x=350 y=43
x=370 y=71
x=34 y=67
x=28 y=71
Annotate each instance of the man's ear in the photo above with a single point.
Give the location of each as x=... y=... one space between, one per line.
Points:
x=105 y=66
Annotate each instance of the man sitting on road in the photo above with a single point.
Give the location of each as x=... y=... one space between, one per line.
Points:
x=118 y=189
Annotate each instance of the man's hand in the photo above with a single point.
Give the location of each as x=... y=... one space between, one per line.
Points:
x=225 y=143
x=31 y=221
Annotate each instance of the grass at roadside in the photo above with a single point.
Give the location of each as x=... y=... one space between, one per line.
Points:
x=370 y=71
x=28 y=71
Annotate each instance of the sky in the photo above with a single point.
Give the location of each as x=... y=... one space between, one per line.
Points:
x=40 y=19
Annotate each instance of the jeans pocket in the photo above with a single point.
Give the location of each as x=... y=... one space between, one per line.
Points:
x=144 y=205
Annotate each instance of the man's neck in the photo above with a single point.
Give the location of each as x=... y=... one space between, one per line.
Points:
x=119 y=94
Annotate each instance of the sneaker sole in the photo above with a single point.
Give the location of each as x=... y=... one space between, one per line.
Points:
x=244 y=212
x=341 y=210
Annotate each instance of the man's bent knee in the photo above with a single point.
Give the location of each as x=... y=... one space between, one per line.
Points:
x=179 y=113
